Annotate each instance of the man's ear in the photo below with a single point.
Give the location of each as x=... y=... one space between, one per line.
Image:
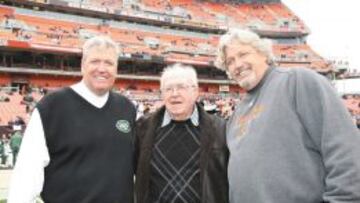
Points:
x=197 y=93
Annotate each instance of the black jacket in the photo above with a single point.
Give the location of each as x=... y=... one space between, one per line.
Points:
x=213 y=157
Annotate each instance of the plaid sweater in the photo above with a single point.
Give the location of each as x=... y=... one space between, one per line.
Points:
x=176 y=178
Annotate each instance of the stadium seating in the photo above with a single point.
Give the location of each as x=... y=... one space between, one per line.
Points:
x=8 y=110
x=65 y=33
x=44 y=28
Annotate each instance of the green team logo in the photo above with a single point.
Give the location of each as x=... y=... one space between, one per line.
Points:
x=123 y=126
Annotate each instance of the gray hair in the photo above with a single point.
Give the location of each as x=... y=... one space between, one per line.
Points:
x=243 y=36
x=99 y=41
x=179 y=70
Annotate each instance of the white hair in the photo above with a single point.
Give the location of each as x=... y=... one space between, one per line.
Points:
x=243 y=36
x=179 y=70
x=99 y=41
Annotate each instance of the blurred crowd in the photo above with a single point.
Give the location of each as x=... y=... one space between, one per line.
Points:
x=223 y=106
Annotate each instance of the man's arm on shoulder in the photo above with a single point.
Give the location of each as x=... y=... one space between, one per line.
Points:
x=28 y=175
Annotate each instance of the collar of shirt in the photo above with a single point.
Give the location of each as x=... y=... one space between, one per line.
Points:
x=194 y=118
x=88 y=95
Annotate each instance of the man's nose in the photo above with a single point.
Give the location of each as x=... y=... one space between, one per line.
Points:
x=238 y=62
x=101 y=67
x=174 y=92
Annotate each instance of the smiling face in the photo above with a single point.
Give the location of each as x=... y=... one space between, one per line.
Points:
x=99 y=69
x=245 y=64
x=179 y=95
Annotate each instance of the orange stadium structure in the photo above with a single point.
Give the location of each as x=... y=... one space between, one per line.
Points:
x=40 y=40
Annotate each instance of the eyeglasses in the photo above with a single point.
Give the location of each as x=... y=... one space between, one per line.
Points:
x=178 y=87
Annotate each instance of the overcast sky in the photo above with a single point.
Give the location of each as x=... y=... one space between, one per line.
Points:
x=334 y=25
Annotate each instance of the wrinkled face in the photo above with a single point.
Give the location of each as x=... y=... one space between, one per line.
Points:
x=179 y=96
x=245 y=64
x=99 y=69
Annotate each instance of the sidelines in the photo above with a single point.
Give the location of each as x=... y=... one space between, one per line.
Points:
x=5 y=175
x=4 y=182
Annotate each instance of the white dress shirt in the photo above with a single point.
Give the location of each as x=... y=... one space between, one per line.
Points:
x=28 y=175
x=194 y=117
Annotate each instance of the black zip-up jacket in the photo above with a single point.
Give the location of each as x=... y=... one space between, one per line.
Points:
x=213 y=156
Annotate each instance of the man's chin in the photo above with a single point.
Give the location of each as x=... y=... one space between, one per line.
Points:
x=101 y=91
x=175 y=112
x=245 y=85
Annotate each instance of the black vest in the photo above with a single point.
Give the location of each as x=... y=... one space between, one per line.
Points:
x=91 y=149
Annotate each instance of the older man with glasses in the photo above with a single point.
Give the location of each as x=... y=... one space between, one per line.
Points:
x=180 y=149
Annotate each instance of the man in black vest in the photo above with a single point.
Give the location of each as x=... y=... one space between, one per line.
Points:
x=180 y=149
x=78 y=146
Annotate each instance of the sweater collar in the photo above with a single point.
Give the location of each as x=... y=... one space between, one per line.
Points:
x=263 y=80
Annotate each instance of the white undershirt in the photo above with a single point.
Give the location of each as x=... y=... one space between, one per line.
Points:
x=28 y=175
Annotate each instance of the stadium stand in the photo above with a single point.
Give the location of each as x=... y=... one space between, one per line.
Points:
x=40 y=41
x=69 y=34
x=30 y=30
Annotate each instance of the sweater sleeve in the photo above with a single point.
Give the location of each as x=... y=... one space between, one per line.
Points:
x=329 y=126
x=28 y=175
